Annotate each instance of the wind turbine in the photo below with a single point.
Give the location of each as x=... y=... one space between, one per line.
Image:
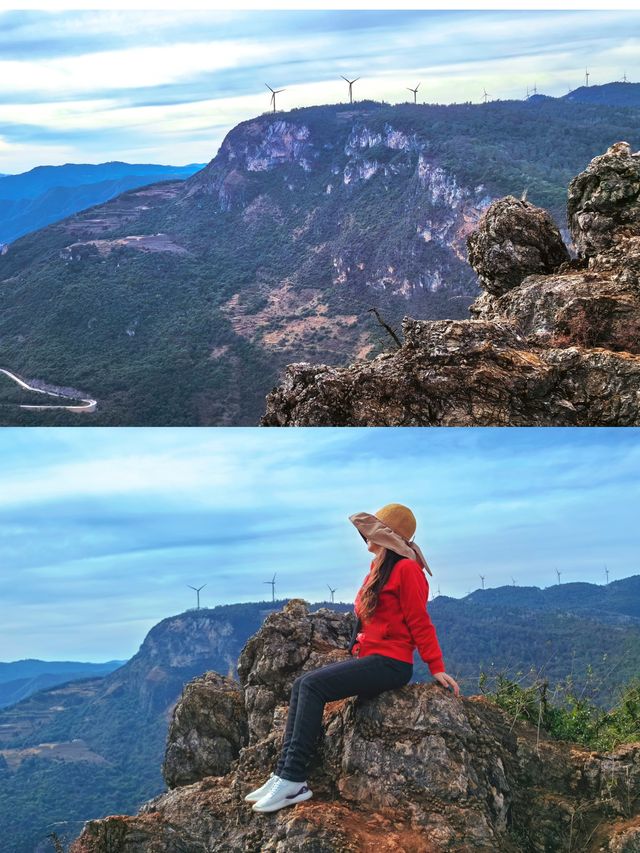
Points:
x=486 y=95
x=415 y=93
x=350 y=82
x=558 y=573
x=274 y=92
x=332 y=591
x=273 y=586
x=624 y=77
x=197 y=590
x=586 y=76
x=535 y=88
x=513 y=580
x=606 y=571
x=482 y=579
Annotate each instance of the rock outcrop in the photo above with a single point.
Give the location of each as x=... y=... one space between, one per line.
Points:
x=414 y=770
x=552 y=341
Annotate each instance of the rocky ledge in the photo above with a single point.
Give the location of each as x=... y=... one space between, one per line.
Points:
x=552 y=340
x=413 y=770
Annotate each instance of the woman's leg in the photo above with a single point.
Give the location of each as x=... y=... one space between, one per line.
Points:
x=291 y=718
x=367 y=676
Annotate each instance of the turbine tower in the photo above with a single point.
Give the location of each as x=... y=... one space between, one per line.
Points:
x=197 y=590
x=350 y=82
x=274 y=92
x=486 y=95
x=606 y=571
x=332 y=591
x=558 y=573
x=482 y=579
x=273 y=587
x=586 y=76
x=415 y=93
x=513 y=580
x=624 y=77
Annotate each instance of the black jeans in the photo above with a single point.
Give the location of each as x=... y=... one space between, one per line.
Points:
x=365 y=677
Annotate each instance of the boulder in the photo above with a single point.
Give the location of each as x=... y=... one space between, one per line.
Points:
x=514 y=239
x=605 y=200
x=415 y=770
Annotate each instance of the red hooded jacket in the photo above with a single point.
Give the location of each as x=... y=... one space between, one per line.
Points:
x=400 y=621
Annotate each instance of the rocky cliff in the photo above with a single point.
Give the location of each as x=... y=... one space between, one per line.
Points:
x=182 y=302
x=412 y=770
x=552 y=341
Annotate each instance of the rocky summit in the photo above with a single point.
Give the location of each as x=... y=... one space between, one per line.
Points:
x=552 y=340
x=414 y=770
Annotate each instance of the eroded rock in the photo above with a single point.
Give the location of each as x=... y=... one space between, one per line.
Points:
x=207 y=730
x=551 y=341
x=514 y=239
x=414 y=770
x=605 y=199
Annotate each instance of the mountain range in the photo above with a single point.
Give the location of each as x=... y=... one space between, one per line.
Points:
x=20 y=679
x=94 y=745
x=33 y=199
x=181 y=302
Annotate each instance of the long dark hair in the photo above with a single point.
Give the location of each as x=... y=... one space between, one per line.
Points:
x=379 y=577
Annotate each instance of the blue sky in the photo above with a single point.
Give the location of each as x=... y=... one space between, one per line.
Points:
x=101 y=530
x=166 y=86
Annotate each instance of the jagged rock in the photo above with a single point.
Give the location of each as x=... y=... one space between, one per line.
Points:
x=207 y=730
x=514 y=239
x=414 y=770
x=605 y=199
x=290 y=641
x=561 y=348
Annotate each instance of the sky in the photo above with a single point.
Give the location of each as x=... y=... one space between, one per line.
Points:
x=165 y=86
x=102 y=530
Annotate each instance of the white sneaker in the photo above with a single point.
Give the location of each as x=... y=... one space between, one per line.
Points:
x=254 y=796
x=283 y=793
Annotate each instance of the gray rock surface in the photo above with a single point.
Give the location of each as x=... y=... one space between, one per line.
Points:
x=514 y=239
x=560 y=347
x=605 y=199
x=414 y=770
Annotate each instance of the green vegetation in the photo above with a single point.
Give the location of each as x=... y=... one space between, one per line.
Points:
x=151 y=335
x=568 y=713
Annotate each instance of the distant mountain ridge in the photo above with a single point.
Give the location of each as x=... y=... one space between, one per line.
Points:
x=619 y=94
x=95 y=746
x=45 y=194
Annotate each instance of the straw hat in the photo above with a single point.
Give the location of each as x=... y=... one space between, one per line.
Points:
x=393 y=527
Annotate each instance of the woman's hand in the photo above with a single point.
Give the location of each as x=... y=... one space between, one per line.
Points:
x=447 y=681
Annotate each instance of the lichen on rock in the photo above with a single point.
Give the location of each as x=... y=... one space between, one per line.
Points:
x=551 y=341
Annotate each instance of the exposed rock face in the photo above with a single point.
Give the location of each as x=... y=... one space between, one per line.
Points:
x=513 y=240
x=605 y=200
x=413 y=770
x=552 y=341
x=290 y=642
x=208 y=728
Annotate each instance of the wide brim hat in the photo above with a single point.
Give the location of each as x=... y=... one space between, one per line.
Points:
x=375 y=530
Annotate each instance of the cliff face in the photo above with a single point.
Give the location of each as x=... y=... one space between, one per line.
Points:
x=183 y=301
x=553 y=341
x=413 y=770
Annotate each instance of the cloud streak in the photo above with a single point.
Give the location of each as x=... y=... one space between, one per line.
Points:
x=185 y=78
x=105 y=528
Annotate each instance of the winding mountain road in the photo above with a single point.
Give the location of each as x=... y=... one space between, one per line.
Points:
x=84 y=406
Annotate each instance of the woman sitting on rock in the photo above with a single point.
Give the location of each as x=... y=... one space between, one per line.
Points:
x=391 y=603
